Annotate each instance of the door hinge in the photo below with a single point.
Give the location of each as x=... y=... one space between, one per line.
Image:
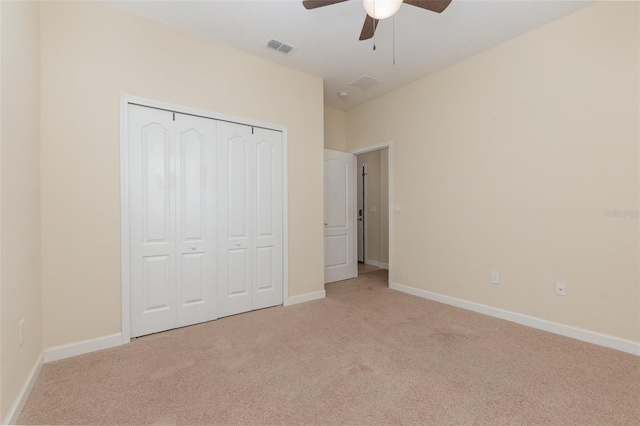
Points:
x=174 y=116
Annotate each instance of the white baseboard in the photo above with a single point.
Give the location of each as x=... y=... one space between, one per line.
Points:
x=79 y=348
x=25 y=391
x=54 y=354
x=541 y=324
x=293 y=300
x=377 y=263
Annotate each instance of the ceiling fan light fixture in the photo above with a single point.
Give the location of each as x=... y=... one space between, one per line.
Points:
x=381 y=9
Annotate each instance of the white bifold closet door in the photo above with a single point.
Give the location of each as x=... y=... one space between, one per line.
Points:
x=250 y=218
x=205 y=219
x=172 y=219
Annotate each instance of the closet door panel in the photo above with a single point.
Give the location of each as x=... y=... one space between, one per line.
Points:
x=156 y=283
x=196 y=219
x=238 y=186
x=194 y=282
x=193 y=146
x=152 y=215
x=268 y=263
x=234 y=219
x=239 y=284
x=265 y=274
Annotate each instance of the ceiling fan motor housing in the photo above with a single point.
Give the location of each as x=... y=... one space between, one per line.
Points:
x=381 y=9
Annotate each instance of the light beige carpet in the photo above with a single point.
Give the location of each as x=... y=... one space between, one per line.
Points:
x=363 y=355
x=363 y=268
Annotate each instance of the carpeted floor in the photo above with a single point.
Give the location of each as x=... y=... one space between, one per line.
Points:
x=363 y=355
x=363 y=268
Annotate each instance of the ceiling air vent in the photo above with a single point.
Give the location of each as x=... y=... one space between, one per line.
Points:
x=279 y=46
x=365 y=82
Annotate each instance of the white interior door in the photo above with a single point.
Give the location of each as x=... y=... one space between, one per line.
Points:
x=152 y=220
x=250 y=194
x=235 y=194
x=172 y=186
x=205 y=219
x=339 y=216
x=268 y=233
x=196 y=280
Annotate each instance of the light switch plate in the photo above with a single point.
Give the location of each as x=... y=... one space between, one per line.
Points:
x=397 y=208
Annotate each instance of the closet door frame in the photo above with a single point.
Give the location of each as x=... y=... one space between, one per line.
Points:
x=125 y=101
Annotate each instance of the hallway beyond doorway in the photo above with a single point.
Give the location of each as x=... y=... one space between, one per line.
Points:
x=363 y=268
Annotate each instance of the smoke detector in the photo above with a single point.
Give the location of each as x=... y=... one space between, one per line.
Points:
x=343 y=95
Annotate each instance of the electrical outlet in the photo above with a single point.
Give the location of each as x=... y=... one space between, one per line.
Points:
x=561 y=288
x=495 y=277
x=21 y=326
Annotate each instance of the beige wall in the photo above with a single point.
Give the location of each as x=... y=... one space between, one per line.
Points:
x=508 y=161
x=376 y=196
x=20 y=196
x=334 y=129
x=92 y=53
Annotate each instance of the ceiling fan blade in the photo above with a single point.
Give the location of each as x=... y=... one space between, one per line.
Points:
x=312 y=4
x=433 y=5
x=368 y=28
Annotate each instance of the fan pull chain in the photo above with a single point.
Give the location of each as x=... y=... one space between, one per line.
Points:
x=374 y=25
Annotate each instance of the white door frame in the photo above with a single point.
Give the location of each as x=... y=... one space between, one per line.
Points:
x=364 y=214
x=125 y=100
x=377 y=147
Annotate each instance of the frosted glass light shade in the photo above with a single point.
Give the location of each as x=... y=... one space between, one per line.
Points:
x=381 y=9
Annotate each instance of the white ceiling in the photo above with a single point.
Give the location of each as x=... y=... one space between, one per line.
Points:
x=326 y=39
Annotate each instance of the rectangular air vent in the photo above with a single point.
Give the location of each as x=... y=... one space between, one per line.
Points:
x=365 y=82
x=279 y=46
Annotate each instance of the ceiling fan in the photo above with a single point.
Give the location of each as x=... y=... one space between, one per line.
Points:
x=381 y=9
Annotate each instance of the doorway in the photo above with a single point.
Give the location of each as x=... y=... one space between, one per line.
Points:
x=373 y=207
x=362 y=173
